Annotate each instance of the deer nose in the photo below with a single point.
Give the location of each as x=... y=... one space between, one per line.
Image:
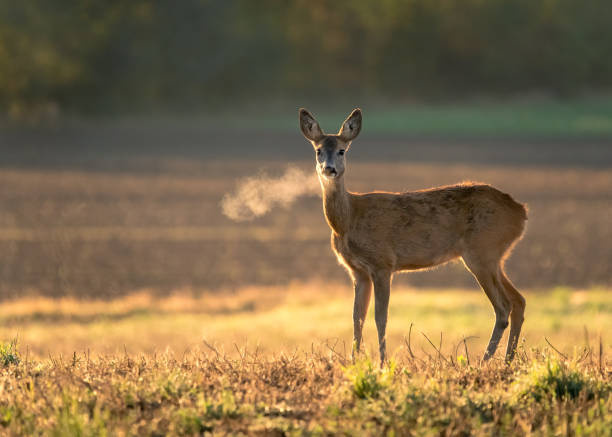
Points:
x=329 y=170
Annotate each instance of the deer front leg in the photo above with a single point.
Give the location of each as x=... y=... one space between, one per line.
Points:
x=382 y=290
x=363 y=292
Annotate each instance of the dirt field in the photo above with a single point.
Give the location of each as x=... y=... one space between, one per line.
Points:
x=113 y=224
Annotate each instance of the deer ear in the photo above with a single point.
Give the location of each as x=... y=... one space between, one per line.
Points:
x=351 y=126
x=309 y=126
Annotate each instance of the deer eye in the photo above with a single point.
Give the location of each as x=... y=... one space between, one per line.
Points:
x=341 y=152
x=318 y=152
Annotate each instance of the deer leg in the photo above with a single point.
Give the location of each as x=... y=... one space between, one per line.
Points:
x=517 y=316
x=493 y=288
x=382 y=290
x=363 y=292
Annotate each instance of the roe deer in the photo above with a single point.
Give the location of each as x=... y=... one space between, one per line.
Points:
x=379 y=233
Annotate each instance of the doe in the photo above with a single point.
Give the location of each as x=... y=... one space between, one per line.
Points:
x=379 y=233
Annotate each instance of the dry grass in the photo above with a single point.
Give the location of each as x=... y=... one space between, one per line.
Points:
x=275 y=361
x=305 y=393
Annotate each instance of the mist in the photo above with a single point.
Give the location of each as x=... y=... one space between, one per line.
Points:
x=257 y=195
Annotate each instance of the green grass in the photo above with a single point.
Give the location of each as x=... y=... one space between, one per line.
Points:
x=578 y=118
x=8 y=353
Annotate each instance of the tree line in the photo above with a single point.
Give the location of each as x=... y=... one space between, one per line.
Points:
x=86 y=56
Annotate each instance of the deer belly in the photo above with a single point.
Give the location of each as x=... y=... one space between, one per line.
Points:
x=417 y=258
x=416 y=264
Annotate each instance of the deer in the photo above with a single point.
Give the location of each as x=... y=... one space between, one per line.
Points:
x=376 y=234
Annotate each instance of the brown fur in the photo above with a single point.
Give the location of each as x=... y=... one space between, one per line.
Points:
x=379 y=233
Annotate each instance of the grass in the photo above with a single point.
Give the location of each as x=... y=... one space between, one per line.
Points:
x=8 y=353
x=284 y=318
x=537 y=118
x=275 y=361
x=304 y=393
x=143 y=323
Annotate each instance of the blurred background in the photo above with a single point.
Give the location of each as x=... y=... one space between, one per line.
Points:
x=124 y=123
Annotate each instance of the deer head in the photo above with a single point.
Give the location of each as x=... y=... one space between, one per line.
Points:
x=330 y=149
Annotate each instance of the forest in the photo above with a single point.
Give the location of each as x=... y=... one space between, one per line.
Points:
x=159 y=56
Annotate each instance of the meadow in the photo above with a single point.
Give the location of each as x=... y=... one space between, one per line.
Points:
x=270 y=361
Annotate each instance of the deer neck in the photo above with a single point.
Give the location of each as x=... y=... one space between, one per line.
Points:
x=336 y=204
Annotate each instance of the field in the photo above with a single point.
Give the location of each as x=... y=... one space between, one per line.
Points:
x=99 y=232
x=132 y=306
x=277 y=362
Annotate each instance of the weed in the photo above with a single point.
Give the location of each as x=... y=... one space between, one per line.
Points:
x=367 y=381
x=8 y=353
x=189 y=421
x=555 y=379
x=6 y=415
x=225 y=407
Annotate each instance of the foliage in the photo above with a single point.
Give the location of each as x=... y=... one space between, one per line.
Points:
x=146 y=54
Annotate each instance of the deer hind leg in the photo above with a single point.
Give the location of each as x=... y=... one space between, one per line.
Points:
x=363 y=292
x=516 y=316
x=487 y=275
x=382 y=290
